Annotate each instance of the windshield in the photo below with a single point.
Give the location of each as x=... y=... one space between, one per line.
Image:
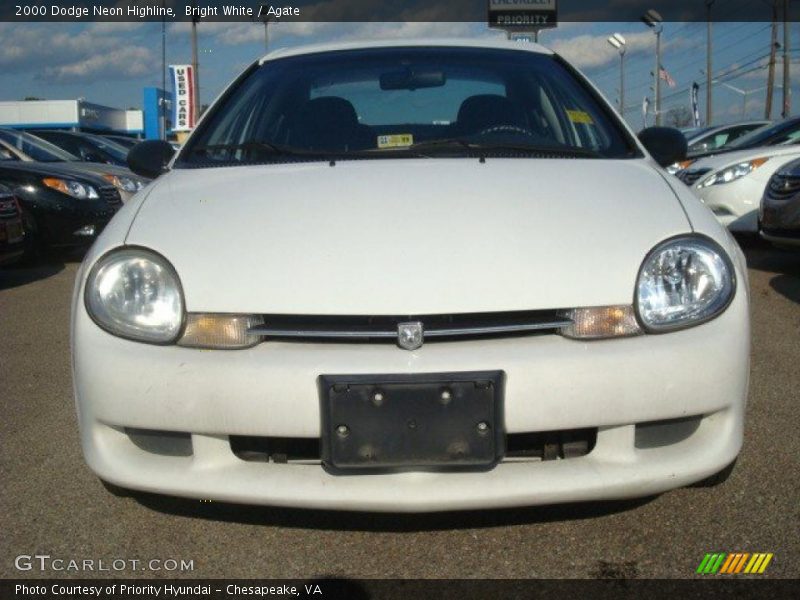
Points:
x=118 y=152
x=38 y=149
x=396 y=102
x=785 y=132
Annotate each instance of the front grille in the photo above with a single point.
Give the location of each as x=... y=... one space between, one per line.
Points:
x=385 y=328
x=783 y=186
x=691 y=176
x=534 y=446
x=8 y=208
x=111 y=195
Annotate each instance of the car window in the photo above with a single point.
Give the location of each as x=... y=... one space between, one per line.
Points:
x=112 y=148
x=384 y=101
x=38 y=149
x=7 y=155
x=768 y=135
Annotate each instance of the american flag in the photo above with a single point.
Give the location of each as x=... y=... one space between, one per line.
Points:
x=663 y=75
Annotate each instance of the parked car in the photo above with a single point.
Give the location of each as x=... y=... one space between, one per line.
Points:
x=779 y=215
x=19 y=145
x=62 y=206
x=710 y=139
x=12 y=234
x=86 y=146
x=732 y=184
x=123 y=140
x=385 y=277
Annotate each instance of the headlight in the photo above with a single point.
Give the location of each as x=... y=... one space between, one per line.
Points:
x=76 y=189
x=683 y=282
x=734 y=172
x=136 y=294
x=126 y=184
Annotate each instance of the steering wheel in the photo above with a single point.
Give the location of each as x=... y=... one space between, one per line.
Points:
x=506 y=128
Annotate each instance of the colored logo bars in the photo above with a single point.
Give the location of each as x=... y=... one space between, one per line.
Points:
x=734 y=563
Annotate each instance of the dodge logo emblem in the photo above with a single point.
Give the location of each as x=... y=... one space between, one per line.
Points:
x=410 y=335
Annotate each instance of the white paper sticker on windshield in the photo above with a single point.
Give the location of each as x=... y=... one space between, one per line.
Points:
x=398 y=140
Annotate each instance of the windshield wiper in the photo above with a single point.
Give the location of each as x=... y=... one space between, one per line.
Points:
x=455 y=144
x=267 y=147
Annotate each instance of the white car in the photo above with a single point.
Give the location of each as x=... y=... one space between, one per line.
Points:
x=731 y=184
x=411 y=276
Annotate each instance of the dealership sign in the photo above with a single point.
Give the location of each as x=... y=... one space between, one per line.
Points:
x=184 y=94
x=523 y=14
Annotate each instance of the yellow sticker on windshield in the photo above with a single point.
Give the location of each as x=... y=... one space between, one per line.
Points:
x=579 y=116
x=398 y=140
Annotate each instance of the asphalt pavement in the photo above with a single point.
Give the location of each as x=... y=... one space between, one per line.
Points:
x=51 y=504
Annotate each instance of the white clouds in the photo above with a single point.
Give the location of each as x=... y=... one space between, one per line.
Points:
x=101 y=51
x=587 y=51
x=121 y=63
x=291 y=33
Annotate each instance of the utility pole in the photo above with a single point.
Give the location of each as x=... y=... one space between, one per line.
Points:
x=709 y=101
x=772 y=52
x=654 y=21
x=263 y=9
x=195 y=73
x=162 y=106
x=787 y=88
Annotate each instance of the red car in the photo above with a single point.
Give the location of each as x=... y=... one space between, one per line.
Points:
x=12 y=234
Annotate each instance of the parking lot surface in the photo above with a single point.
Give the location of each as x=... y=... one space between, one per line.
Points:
x=52 y=504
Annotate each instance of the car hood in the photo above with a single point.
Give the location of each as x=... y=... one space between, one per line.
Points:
x=55 y=169
x=731 y=157
x=408 y=236
x=104 y=168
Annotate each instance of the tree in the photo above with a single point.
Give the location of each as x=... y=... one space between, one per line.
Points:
x=30 y=98
x=679 y=116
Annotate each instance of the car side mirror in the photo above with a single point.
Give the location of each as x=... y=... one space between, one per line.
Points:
x=665 y=144
x=150 y=158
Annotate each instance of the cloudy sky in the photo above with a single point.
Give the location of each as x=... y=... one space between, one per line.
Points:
x=110 y=63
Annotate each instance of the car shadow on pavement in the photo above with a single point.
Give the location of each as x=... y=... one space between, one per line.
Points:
x=382 y=522
x=45 y=266
x=787 y=286
x=18 y=275
x=763 y=256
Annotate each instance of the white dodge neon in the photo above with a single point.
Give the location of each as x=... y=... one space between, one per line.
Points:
x=411 y=276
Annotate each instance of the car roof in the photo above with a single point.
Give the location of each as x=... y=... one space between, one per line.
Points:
x=489 y=43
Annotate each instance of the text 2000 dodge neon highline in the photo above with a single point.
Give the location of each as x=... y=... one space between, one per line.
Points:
x=411 y=276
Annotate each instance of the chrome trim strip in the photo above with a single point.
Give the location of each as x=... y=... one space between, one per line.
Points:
x=266 y=331
x=319 y=333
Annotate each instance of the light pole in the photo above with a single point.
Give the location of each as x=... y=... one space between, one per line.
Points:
x=618 y=42
x=709 y=107
x=653 y=20
x=787 y=87
x=265 y=19
x=195 y=73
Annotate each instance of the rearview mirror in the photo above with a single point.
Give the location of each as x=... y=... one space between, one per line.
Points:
x=407 y=79
x=149 y=159
x=665 y=144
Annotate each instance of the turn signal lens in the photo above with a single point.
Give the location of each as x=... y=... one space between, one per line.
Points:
x=600 y=322
x=220 y=331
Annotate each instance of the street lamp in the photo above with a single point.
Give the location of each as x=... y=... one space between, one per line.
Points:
x=653 y=20
x=618 y=42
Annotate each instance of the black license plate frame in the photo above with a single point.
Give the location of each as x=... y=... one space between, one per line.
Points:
x=432 y=420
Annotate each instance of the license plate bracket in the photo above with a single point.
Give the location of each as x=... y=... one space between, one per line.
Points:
x=451 y=420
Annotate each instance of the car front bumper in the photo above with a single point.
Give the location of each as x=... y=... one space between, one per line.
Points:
x=780 y=220
x=735 y=204
x=551 y=384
